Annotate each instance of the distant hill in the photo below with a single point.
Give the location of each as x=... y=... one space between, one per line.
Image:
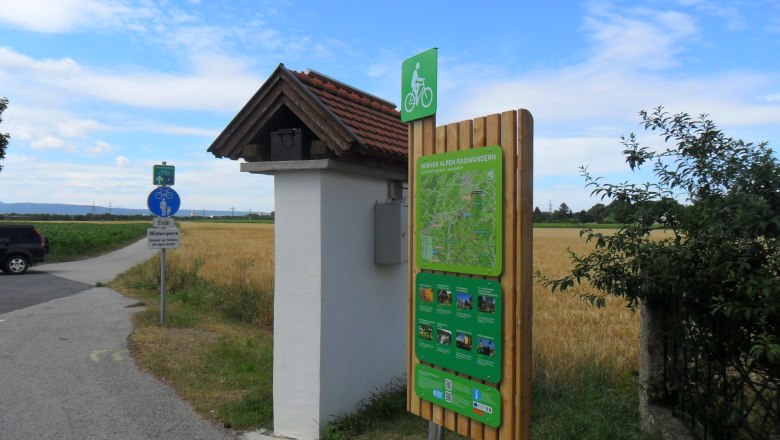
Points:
x=64 y=209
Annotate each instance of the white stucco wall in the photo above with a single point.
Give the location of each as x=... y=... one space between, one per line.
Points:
x=297 y=299
x=339 y=319
x=364 y=305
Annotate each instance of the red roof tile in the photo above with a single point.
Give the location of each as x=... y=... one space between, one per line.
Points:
x=374 y=122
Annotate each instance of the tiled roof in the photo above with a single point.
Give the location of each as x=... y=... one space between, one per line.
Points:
x=373 y=121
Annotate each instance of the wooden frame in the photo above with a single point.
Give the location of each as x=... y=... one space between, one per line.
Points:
x=513 y=131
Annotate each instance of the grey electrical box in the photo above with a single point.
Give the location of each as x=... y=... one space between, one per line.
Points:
x=390 y=240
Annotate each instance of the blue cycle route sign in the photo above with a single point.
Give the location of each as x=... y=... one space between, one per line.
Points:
x=163 y=201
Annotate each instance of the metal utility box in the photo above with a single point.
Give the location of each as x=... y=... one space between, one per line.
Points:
x=288 y=144
x=390 y=240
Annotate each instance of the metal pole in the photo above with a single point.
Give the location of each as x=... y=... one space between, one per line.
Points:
x=435 y=432
x=162 y=286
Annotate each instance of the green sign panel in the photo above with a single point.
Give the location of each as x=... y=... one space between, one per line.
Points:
x=459 y=324
x=472 y=399
x=459 y=211
x=418 y=86
x=163 y=175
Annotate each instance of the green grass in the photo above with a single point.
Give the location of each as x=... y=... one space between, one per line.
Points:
x=72 y=241
x=590 y=406
x=221 y=366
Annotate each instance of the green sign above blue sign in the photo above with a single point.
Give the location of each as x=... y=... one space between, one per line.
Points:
x=418 y=85
x=163 y=175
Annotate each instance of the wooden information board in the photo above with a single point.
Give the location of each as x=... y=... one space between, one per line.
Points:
x=478 y=414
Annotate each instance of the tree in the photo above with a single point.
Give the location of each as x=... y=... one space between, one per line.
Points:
x=718 y=258
x=562 y=213
x=3 y=136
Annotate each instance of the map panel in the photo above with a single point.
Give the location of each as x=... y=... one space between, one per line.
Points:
x=460 y=211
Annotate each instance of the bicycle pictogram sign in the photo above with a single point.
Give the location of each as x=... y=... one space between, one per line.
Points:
x=418 y=86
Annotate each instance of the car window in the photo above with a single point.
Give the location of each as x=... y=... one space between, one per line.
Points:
x=22 y=235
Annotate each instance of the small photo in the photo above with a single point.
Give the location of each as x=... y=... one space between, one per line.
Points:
x=463 y=341
x=444 y=297
x=425 y=331
x=486 y=304
x=464 y=301
x=486 y=347
x=426 y=294
x=444 y=336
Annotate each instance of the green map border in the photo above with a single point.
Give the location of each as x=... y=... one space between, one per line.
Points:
x=457 y=162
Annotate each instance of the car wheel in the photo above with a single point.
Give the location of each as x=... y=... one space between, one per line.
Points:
x=15 y=264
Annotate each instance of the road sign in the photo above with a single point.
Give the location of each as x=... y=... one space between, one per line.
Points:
x=162 y=238
x=163 y=175
x=418 y=85
x=163 y=222
x=163 y=201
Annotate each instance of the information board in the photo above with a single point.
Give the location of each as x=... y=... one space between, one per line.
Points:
x=459 y=324
x=473 y=399
x=460 y=211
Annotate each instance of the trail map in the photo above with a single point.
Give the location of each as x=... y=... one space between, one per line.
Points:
x=459 y=211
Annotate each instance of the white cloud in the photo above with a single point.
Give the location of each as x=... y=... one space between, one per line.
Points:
x=222 y=84
x=639 y=37
x=48 y=142
x=177 y=129
x=215 y=184
x=122 y=161
x=12 y=62
x=98 y=148
x=61 y=16
x=77 y=128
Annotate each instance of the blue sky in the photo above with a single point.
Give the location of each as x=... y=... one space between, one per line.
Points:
x=100 y=91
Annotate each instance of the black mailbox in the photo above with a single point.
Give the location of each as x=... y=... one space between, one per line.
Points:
x=288 y=144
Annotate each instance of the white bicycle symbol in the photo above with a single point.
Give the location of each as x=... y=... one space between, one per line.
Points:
x=163 y=193
x=424 y=97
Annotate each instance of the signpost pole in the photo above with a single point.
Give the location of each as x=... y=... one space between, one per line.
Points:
x=163 y=202
x=435 y=431
x=162 y=286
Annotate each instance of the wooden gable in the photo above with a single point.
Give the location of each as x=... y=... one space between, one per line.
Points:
x=338 y=122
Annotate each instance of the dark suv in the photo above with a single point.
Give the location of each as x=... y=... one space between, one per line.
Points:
x=20 y=247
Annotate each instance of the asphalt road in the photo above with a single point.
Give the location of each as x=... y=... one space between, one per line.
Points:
x=34 y=287
x=65 y=372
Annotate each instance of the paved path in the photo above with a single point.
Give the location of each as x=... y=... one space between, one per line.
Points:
x=65 y=372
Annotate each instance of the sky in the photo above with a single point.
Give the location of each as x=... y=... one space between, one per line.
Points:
x=101 y=90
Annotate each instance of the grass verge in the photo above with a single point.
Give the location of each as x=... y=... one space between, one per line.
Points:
x=591 y=405
x=221 y=366
x=218 y=356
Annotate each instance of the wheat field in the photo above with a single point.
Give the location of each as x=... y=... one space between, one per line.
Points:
x=567 y=331
x=227 y=251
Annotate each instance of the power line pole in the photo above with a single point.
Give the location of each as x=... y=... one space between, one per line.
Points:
x=232 y=211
